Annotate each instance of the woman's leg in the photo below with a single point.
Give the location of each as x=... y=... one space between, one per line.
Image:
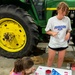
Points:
x=51 y=55
x=61 y=55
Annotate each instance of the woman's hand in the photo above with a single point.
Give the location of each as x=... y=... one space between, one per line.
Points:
x=52 y=33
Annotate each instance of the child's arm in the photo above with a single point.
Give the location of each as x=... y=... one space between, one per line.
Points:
x=30 y=71
x=23 y=73
x=11 y=72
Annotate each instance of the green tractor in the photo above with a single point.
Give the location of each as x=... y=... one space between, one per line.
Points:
x=23 y=22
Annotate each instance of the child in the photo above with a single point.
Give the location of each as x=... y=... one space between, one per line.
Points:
x=18 y=68
x=28 y=65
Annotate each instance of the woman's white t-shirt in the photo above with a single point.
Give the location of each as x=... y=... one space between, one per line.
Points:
x=60 y=26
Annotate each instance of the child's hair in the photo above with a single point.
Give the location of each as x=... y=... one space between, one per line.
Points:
x=63 y=6
x=18 y=66
x=28 y=62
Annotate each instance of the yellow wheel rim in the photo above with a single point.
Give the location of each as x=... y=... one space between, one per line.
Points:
x=12 y=35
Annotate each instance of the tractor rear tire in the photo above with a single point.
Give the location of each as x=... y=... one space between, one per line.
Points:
x=18 y=32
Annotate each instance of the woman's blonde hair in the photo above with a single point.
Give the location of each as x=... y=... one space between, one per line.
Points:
x=63 y=6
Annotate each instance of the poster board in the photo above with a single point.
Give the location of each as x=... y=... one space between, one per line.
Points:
x=42 y=69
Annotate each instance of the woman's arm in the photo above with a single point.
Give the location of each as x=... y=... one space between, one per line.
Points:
x=51 y=33
x=67 y=37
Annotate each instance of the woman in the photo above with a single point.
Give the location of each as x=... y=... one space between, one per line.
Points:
x=58 y=27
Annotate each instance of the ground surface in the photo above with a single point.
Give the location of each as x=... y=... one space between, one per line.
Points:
x=39 y=57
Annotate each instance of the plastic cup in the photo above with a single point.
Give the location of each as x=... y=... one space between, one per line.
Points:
x=48 y=72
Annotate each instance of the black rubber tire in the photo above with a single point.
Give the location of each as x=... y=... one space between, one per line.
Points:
x=27 y=22
x=73 y=36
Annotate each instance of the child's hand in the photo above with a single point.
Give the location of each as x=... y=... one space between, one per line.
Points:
x=33 y=69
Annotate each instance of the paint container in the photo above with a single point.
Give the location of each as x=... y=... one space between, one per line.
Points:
x=48 y=72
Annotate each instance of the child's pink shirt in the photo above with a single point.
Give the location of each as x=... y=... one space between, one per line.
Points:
x=19 y=73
